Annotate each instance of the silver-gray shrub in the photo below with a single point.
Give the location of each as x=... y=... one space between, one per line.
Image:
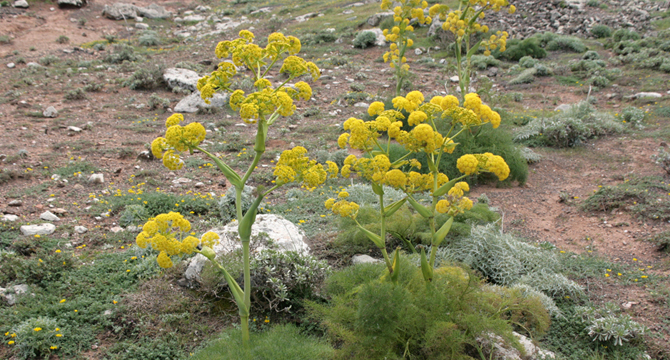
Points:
x=570 y=127
x=606 y=324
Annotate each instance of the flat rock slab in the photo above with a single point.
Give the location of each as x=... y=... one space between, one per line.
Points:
x=193 y=102
x=49 y=216
x=183 y=78
x=41 y=229
x=285 y=236
x=121 y=11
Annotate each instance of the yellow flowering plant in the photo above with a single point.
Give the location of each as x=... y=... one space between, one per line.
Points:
x=425 y=117
x=168 y=233
x=464 y=24
x=398 y=35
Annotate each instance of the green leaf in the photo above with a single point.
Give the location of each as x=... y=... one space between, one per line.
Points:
x=445 y=188
x=229 y=173
x=473 y=49
x=244 y=227
x=425 y=267
x=422 y=210
x=391 y=209
x=379 y=242
x=235 y=288
x=396 y=266
x=377 y=189
x=439 y=236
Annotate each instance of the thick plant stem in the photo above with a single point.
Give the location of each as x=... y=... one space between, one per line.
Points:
x=247 y=294
x=383 y=234
x=245 y=332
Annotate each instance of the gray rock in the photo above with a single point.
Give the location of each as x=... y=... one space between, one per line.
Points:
x=49 y=216
x=183 y=78
x=194 y=18
x=80 y=229
x=50 y=112
x=563 y=107
x=96 y=178
x=435 y=27
x=642 y=95
x=116 y=229
x=454 y=79
x=71 y=3
x=193 y=102
x=41 y=229
x=11 y=65
x=362 y=105
x=364 y=259
x=9 y=217
x=305 y=17
x=418 y=51
x=141 y=26
x=119 y=11
x=133 y=229
x=377 y=19
x=10 y=294
x=285 y=236
x=21 y=4
x=533 y=352
x=15 y=203
x=74 y=129
x=202 y=8
x=261 y=10
x=153 y=11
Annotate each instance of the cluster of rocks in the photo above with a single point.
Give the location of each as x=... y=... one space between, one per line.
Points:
x=23 y=4
x=219 y=23
x=573 y=17
x=121 y=11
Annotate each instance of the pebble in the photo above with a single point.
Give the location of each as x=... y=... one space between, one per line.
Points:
x=80 y=229
x=116 y=229
x=15 y=203
x=11 y=65
x=96 y=179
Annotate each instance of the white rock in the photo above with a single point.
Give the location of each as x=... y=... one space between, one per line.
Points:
x=9 y=217
x=11 y=65
x=199 y=185
x=563 y=107
x=193 y=102
x=74 y=129
x=116 y=229
x=379 y=33
x=181 y=181
x=49 y=216
x=642 y=95
x=96 y=178
x=361 y=105
x=532 y=351
x=285 y=236
x=50 y=112
x=194 y=18
x=183 y=78
x=80 y=229
x=55 y=177
x=41 y=229
x=418 y=51
x=303 y=18
x=364 y=259
x=454 y=79
x=71 y=3
x=142 y=26
x=12 y=292
x=22 y=4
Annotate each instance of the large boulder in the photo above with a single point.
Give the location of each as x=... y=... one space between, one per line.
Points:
x=119 y=11
x=183 y=78
x=71 y=3
x=193 y=102
x=285 y=236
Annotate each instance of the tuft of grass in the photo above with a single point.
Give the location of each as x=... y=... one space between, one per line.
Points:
x=278 y=343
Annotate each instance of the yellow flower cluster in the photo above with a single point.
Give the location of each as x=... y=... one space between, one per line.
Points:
x=455 y=203
x=165 y=234
x=473 y=102
x=266 y=100
x=497 y=41
x=472 y=164
x=398 y=36
x=293 y=165
x=464 y=22
x=341 y=206
x=177 y=139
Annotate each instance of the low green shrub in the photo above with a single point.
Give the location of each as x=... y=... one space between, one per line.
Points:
x=601 y=31
x=157 y=102
x=625 y=34
x=591 y=55
x=646 y=197
x=526 y=77
x=121 y=53
x=566 y=43
x=157 y=202
x=146 y=79
x=320 y=37
x=516 y=49
x=662 y=159
x=75 y=94
x=482 y=62
x=528 y=62
x=662 y=240
x=280 y=342
x=569 y=128
x=365 y=39
x=63 y=39
x=149 y=38
x=450 y=319
x=633 y=116
x=38 y=337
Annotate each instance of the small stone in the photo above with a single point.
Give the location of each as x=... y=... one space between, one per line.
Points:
x=362 y=105
x=41 y=229
x=199 y=185
x=55 y=177
x=142 y=26
x=133 y=229
x=364 y=259
x=80 y=229
x=418 y=51
x=21 y=4
x=181 y=181
x=74 y=129
x=49 y=216
x=642 y=95
x=15 y=203
x=96 y=179
x=145 y=155
x=10 y=218
x=454 y=79
x=59 y=211
x=116 y=229
x=11 y=65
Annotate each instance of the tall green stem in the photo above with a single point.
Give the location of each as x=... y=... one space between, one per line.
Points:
x=383 y=234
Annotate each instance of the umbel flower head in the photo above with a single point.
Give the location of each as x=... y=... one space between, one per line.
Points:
x=294 y=165
x=165 y=233
x=177 y=140
x=341 y=206
x=267 y=100
x=398 y=35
